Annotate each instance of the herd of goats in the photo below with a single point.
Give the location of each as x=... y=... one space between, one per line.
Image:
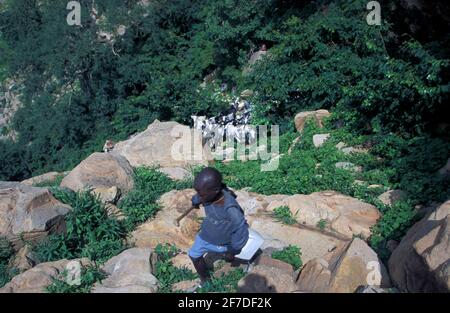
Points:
x=229 y=126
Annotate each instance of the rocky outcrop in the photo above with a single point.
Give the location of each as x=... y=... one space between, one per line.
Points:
x=318 y=117
x=345 y=215
x=421 y=262
x=267 y=279
x=167 y=144
x=47 y=177
x=312 y=243
x=100 y=170
x=29 y=213
x=344 y=270
x=182 y=260
x=349 y=167
x=162 y=228
x=37 y=279
x=128 y=272
x=392 y=196
x=320 y=139
x=23 y=260
x=107 y=195
x=176 y=173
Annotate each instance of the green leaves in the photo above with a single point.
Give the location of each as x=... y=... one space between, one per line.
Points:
x=166 y=272
x=90 y=232
x=89 y=276
x=291 y=255
x=284 y=215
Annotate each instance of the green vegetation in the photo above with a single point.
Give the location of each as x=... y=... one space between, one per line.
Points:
x=284 y=215
x=394 y=223
x=226 y=283
x=386 y=86
x=89 y=276
x=6 y=254
x=166 y=273
x=90 y=232
x=78 y=91
x=322 y=224
x=291 y=255
x=149 y=184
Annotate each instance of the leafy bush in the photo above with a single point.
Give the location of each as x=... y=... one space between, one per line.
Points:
x=284 y=215
x=226 y=283
x=393 y=225
x=322 y=224
x=291 y=255
x=6 y=253
x=140 y=203
x=166 y=272
x=90 y=231
x=89 y=276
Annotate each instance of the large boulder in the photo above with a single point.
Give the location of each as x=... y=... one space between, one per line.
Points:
x=320 y=139
x=344 y=215
x=392 y=196
x=129 y=272
x=312 y=243
x=421 y=262
x=100 y=170
x=267 y=279
x=44 y=178
x=29 y=213
x=344 y=270
x=37 y=279
x=318 y=117
x=163 y=229
x=167 y=144
x=176 y=173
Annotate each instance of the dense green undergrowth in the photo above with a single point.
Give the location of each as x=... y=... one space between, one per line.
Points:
x=6 y=254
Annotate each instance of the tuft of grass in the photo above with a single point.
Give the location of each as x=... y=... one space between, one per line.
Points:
x=322 y=224
x=166 y=272
x=89 y=276
x=140 y=203
x=393 y=225
x=226 y=283
x=90 y=232
x=291 y=255
x=6 y=254
x=284 y=215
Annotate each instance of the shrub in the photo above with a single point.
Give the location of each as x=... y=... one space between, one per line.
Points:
x=284 y=215
x=90 y=231
x=226 y=283
x=291 y=255
x=140 y=203
x=322 y=224
x=6 y=253
x=166 y=272
x=393 y=225
x=89 y=276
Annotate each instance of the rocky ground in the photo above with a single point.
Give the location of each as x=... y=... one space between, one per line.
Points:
x=331 y=230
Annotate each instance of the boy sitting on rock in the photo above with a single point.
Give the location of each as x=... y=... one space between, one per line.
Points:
x=224 y=229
